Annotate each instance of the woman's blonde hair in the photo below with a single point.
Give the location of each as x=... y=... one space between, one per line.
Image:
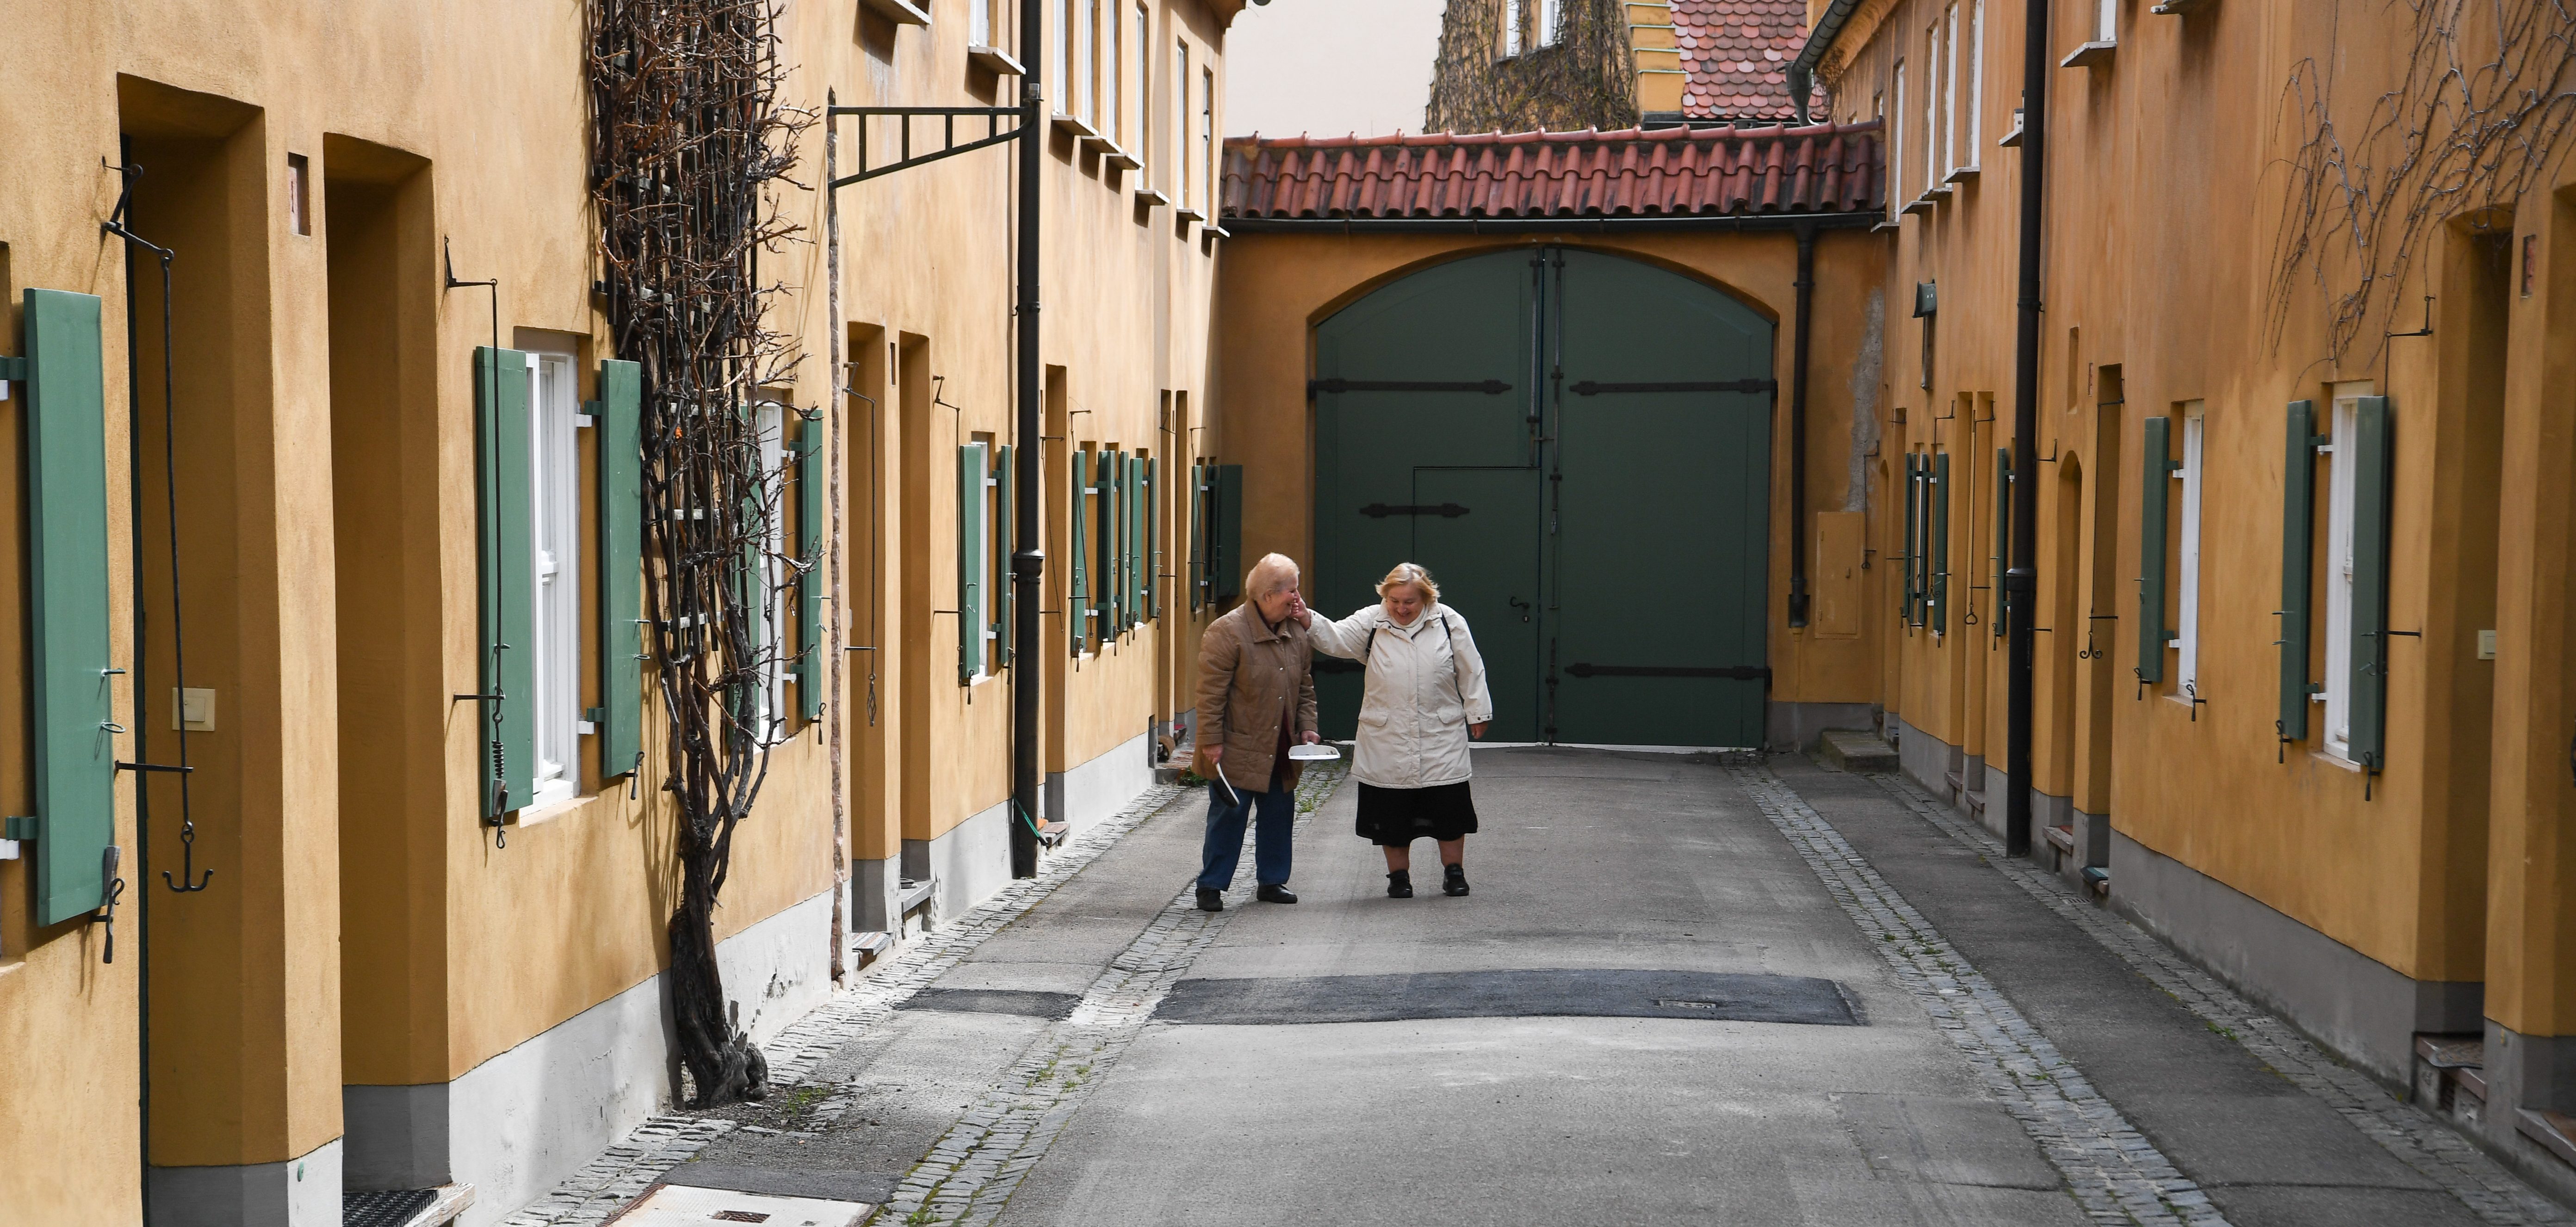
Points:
x=1411 y=573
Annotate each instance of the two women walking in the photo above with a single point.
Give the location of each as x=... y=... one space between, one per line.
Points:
x=1424 y=699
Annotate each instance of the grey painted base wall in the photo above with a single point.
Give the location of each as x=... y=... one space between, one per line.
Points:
x=2360 y=1007
x=1792 y=727
x=301 y=1192
x=874 y=890
x=1925 y=759
x=2528 y=1072
x=519 y=1123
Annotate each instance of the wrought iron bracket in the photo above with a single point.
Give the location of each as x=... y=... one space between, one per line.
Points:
x=949 y=147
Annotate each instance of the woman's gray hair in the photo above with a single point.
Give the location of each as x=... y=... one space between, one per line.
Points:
x=1411 y=573
x=1272 y=573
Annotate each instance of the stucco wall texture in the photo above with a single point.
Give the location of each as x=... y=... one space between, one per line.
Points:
x=361 y=927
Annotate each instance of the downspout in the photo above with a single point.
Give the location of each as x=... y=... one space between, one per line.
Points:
x=2021 y=582
x=1802 y=71
x=1028 y=555
x=1806 y=286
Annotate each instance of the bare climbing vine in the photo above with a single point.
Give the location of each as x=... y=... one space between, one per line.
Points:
x=2474 y=118
x=1584 y=78
x=691 y=145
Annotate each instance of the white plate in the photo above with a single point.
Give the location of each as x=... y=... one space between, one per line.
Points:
x=1313 y=754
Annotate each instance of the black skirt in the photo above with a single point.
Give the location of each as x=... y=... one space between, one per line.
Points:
x=1394 y=817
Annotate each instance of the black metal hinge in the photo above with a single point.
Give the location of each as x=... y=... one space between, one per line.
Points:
x=1589 y=388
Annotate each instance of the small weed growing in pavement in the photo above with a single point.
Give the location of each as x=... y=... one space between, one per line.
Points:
x=2230 y=1034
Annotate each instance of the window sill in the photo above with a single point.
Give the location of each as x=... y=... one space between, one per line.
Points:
x=1188 y=213
x=1964 y=174
x=1885 y=226
x=900 y=12
x=1920 y=204
x=2091 y=55
x=995 y=61
x=1937 y=193
x=2012 y=139
x=1111 y=154
x=2178 y=8
x=2332 y=759
x=539 y=813
x=1081 y=130
x=1151 y=198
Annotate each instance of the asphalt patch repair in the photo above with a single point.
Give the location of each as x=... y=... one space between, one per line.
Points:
x=1027 y=1003
x=1560 y=993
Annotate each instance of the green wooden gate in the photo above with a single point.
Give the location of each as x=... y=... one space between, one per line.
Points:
x=1578 y=446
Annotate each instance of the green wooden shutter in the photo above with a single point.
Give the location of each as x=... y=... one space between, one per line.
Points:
x=506 y=497
x=1940 y=565
x=809 y=583
x=1226 y=561
x=1153 y=538
x=2374 y=471
x=1198 y=536
x=2003 y=538
x=2155 y=495
x=2298 y=531
x=1006 y=530
x=621 y=566
x=1077 y=588
x=970 y=548
x=74 y=703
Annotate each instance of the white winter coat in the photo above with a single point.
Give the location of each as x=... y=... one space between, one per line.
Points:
x=1426 y=684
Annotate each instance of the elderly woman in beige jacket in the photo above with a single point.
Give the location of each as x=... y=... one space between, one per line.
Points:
x=1424 y=699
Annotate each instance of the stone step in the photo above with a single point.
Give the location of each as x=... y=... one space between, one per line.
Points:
x=1855 y=751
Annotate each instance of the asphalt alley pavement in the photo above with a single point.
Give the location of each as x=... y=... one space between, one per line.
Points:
x=1682 y=992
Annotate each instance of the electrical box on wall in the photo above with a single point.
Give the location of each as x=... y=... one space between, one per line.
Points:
x=192 y=709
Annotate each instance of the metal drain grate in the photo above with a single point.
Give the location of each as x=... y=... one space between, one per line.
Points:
x=385 y=1207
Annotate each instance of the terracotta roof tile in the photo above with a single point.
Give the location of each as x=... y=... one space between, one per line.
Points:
x=1736 y=56
x=1628 y=173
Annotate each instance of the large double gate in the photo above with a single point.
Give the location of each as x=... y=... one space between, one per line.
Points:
x=1578 y=446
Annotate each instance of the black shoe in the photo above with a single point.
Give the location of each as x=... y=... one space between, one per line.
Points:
x=1399 y=884
x=1453 y=880
x=1211 y=901
x=1275 y=893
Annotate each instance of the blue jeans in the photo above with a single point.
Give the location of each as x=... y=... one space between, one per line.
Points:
x=1270 y=846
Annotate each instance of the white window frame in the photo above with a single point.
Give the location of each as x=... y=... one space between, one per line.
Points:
x=2107 y=28
x=2340 y=481
x=1551 y=22
x=1513 y=15
x=1144 y=94
x=979 y=23
x=1896 y=144
x=769 y=624
x=1932 y=108
x=1950 y=92
x=1063 y=51
x=1113 y=70
x=1181 y=124
x=987 y=578
x=1976 y=82
x=2195 y=421
x=1207 y=135
x=1086 y=61
x=554 y=588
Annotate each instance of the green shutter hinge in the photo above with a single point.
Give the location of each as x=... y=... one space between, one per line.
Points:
x=596 y=715
x=13 y=368
x=15 y=827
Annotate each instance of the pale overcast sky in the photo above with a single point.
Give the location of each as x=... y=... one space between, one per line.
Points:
x=1330 y=67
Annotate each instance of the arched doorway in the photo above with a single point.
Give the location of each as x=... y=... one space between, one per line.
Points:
x=1578 y=446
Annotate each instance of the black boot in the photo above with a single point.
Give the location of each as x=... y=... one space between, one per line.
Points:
x=1399 y=884
x=1453 y=880
x=1211 y=901
x=1276 y=893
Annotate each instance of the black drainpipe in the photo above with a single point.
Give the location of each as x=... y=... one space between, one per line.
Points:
x=2021 y=582
x=1806 y=285
x=1028 y=556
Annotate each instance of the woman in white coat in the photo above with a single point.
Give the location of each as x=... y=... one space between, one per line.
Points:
x=1425 y=698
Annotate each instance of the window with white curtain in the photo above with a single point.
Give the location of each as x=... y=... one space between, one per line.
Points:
x=1950 y=92
x=554 y=525
x=1932 y=108
x=1896 y=141
x=2342 y=473
x=2187 y=637
x=1976 y=81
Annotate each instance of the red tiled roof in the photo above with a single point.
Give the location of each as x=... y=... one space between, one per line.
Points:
x=1737 y=54
x=1629 y=173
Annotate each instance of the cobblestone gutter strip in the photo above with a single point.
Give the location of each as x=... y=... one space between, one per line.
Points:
x=970 y=1174
x=2115 y=1174
x=2407 y=1131
x=624 y=1171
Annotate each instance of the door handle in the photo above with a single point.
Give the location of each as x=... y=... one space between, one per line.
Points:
x=1523 y=606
